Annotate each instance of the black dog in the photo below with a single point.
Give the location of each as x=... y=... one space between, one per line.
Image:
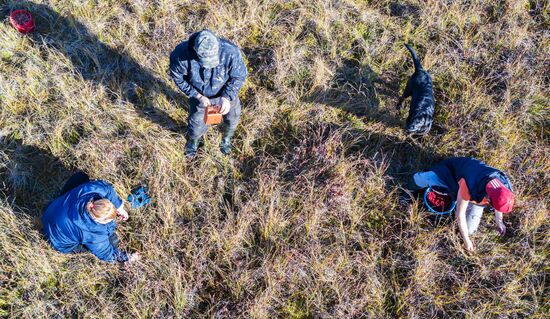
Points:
x=422 y=108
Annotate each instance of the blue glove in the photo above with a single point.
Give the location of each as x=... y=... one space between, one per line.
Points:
x=139 y=198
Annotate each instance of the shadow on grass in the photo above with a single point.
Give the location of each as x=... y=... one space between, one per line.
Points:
x=262 y=66
x=30 y=177
x=404 y=10
x=99 y=63
x=357 y=89
x=309 y=153
x=308 y=147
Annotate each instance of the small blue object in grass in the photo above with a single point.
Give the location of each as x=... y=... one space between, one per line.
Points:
x=139 y=198
x=444 y=205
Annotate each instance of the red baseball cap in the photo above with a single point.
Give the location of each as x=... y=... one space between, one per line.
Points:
x=502 y=199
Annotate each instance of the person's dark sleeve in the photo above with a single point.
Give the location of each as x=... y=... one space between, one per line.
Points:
x=237 y=76
x=179 y=71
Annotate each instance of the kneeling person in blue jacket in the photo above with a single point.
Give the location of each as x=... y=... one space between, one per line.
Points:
x=210 y=71
x=83 y=219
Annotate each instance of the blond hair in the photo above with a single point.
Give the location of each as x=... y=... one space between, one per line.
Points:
x=101 y=210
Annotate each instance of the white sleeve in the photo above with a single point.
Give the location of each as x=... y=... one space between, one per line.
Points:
x=122 y=212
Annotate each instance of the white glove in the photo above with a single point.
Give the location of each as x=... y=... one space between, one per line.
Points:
x=501 y=228
x=134 y=257
x=225 y=105
x=203 y=100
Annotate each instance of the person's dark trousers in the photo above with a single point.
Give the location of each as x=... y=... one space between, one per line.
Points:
x=77 y=179
x=197 y=127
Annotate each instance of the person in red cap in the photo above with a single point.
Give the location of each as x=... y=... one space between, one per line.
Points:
x=475 y=185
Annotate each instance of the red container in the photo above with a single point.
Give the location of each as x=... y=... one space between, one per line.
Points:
x=22 y=20
x=438 y=201
x=212 y=115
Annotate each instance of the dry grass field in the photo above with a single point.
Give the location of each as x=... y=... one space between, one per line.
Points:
x=309 y=217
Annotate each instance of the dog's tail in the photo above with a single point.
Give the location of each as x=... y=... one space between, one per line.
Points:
x=417 y=64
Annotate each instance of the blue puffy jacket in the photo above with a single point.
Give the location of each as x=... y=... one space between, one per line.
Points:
x=225 y=80
x=67 y=224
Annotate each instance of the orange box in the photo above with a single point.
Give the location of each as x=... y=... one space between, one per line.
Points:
x=212 y=116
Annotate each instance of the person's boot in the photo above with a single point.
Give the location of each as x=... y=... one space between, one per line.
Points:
x=191 y=148
x=225 y=145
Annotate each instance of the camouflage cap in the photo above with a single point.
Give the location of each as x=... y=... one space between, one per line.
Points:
x=207 y=48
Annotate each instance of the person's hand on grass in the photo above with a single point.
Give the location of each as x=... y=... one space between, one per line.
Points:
x=469 y=246
x=501 y=228
x=133 y=258
x=224 y=106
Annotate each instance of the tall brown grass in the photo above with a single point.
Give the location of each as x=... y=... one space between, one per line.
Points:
x=309 y=217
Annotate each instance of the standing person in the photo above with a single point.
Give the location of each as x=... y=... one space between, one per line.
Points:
x=210 y=71
x=83 y=219
x=475 y=185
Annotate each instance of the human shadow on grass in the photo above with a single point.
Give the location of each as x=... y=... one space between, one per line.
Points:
x=30 y=176
x=100 y=63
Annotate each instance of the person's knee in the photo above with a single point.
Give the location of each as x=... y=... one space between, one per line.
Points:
x=418 y=181
x=472 y=230
x=196 y=127
x=195 y=132
x=415 y=181
x=74 y=181
x=81 y=176
x=232 y=118
x=231 y=125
